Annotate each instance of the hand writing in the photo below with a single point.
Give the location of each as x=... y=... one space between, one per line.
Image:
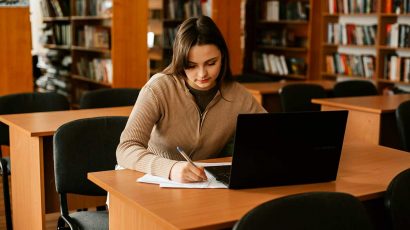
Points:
x=186 y=173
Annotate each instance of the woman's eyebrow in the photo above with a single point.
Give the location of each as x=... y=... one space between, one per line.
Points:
x=211 y=59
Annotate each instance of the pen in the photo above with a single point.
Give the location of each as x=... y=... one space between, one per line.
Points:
x=186 y=156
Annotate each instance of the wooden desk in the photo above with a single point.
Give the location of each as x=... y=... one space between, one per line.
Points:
x=364 y=171
x=371 y=118
x=32 y=177
x=267 y=93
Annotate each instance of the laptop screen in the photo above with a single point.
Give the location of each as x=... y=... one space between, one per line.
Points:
x=287 y=148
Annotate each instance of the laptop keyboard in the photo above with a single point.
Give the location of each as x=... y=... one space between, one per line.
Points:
x=221 y=173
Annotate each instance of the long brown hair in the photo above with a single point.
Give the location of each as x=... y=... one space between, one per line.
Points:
x=198 y=31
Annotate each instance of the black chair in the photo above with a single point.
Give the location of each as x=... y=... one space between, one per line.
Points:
x=23 y=103
x=297 y=97
x=398 y=90
x=314 y=210
x=111 y=97
x=82 y=146
x=403 y=124
x=397 y=201
x=354 y=88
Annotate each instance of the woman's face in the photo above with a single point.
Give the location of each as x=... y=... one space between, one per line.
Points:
x=204 y=64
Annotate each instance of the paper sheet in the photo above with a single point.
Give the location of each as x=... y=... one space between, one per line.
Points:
x=165 y=183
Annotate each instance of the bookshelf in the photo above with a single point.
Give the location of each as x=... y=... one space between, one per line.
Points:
x=279 y=41
x=373 y=44
x=164 y=18
x=94 y=44
x=16 y=76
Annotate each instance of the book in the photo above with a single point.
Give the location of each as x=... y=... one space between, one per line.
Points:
x=298 y=65
x=330 y=67
x=96 y=36
x=284 y=65
x=272 y=10
x=272 y=63
x=368 y=63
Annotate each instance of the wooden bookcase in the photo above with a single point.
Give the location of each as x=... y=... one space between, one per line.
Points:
x=16 y=75
x=280 y=41
x=99 y=41
x=164 y=18
x=375 y=12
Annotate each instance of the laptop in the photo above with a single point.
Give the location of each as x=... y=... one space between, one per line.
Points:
x=274 y=149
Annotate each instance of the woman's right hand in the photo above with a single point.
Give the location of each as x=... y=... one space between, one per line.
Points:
x=185 y=172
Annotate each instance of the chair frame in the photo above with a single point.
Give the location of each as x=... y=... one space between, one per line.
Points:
x=294 y=92
x=352 y=88
x=303 y=203
x=403 y=124
x=109 y=97
x=11 y=105
x=64 y=187
x=395 y=188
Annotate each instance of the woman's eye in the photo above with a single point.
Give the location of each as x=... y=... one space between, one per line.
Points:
x=190 y=67
x=211 y=63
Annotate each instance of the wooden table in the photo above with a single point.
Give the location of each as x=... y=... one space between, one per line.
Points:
x=371 y=118
x=32 y=177
x=364 y=171
x=267 y=93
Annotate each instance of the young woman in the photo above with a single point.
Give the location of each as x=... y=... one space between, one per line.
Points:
x=192 y=104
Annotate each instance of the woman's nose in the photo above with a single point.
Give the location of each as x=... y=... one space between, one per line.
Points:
x=202 y=72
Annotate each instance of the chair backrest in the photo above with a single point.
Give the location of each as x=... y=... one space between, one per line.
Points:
x=397 y=200
x=297 y=97
x=112 y=97
x=314 y=210
x=403 y=124
x=353 y=88
x=82 y=146
x=29 y=103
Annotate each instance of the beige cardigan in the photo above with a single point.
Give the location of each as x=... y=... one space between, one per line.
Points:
x=165 y=116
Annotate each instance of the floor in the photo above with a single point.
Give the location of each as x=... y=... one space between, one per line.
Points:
x=51 y=219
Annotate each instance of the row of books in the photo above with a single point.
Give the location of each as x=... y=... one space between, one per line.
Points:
x=351 y=34
x=165 y=40
x=397 y=68
x=180 y=9
x=282 y=38
x=55 y=8
x=351 y=65
x=278 y=64
x=93 y=7
x=155 y=14
x=169 y=36
x=397 y=6
x=352 y=6
x=96 y=69
x=276 y=10
x=9 y=3
x=157 y=66
x=398 y=35
x=51 y=83
x=94 y=36
x=55 y=76
x=57 y=34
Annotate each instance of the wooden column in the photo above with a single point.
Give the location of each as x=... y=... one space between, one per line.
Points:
x=129 y=43
x=16 y=73
x=227 y=15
